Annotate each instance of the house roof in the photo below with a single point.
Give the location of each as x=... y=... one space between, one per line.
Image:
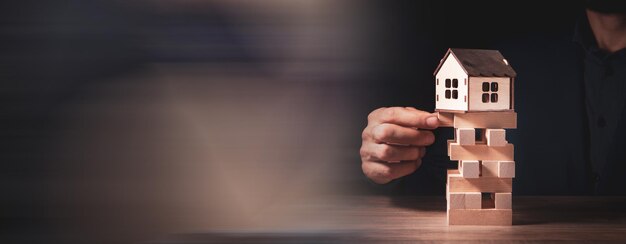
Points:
x=479 y=62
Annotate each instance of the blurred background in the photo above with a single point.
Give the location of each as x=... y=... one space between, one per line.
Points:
x=124 y=121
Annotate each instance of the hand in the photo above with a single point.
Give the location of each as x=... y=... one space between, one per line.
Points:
x=393 y=143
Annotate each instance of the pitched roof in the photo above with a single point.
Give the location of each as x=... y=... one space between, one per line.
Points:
x=479 y=62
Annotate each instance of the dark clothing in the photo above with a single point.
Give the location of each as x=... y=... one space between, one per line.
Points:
x=604 y=77
x=569 y=96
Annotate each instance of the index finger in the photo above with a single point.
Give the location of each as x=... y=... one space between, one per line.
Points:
x=407 y=117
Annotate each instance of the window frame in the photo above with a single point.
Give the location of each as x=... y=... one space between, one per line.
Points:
x=451 y=86
x=490 y=91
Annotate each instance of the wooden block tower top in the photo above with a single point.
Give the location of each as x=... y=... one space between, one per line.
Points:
x=474 y=80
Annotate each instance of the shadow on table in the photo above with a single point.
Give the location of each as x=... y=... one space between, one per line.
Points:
x=430 y=203
x=534 y=210
x=261 y=237
x=588 y=210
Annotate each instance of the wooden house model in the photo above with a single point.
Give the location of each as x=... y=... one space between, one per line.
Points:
x=472 y=80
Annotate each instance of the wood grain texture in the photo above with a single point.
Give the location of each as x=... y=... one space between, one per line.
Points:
x=456 y=200
x=457 y=183
x=465 y=136
x=473 y=200
x=495 y=137
x=502 y=200
x=491 y=120
x=480 y=152
x=506 y=169
x=480 y=217
x=383 y=219
x=445 y=119
x=488 y=168
x=469 y=168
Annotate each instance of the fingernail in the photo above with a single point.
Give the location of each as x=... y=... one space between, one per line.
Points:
x=432 y=121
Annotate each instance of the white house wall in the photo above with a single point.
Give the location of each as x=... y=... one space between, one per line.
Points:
x=451 y=69
x=475 y=94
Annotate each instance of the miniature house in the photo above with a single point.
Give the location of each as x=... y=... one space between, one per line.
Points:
x=469 y=80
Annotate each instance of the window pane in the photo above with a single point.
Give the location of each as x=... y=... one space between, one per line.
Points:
x=455 y=94
x=455 y=83
x=485 y=97
x=448 y=94
x=485 y=86
x=494 y=86
x=447 y=83
x=494 y=97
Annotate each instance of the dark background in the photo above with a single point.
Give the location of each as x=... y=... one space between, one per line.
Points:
x=117 y=116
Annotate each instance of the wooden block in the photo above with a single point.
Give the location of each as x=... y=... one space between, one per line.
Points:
x=473 y=200
x=480 y=152
x=450 y=142
x=506 y=169
x=466 y=136
x=488 y=168
x=503 y=200
x=456 y=183
x=494 y=120
x=456 y=200
x=447 y=193
x=469 y=168
x=480 y=217
x=495 y=137
x=445 y=119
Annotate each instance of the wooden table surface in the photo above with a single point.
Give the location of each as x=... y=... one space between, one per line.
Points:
x=383 y=219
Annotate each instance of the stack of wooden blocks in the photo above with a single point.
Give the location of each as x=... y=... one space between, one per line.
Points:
x=479 y=192
x=474 y=94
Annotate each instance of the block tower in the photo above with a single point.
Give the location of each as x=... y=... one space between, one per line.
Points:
x=474 y=95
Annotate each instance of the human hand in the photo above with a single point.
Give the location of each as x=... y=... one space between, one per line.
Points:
x=394 y=141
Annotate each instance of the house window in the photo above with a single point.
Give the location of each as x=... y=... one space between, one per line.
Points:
x=485 y=97
x=490 y=92
x=452 y=89
x=494 y=86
